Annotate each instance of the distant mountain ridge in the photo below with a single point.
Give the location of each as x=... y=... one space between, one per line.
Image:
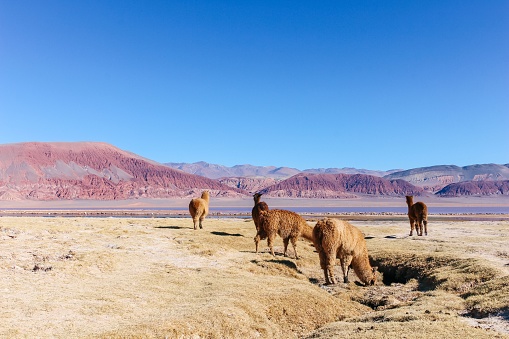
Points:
x=214 y=171
x=434 y=178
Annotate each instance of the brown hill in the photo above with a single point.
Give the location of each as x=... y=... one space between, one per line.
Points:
x=333 y=186
x=89 y=170
x=500 y=187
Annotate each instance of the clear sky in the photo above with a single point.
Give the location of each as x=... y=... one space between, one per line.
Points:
x=305 y=84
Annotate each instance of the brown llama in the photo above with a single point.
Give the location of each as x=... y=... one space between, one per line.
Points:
x=289 y=225
x=258 y=206
x=418 y=215
x=334 y=238
x=199 y=208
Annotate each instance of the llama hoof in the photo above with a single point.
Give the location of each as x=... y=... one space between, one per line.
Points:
x=345 y=280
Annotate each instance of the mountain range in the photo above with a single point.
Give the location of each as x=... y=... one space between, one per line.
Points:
x=467 y=180
x=100 y=171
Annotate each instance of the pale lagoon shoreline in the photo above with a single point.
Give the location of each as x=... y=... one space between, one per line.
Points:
x=464 y=208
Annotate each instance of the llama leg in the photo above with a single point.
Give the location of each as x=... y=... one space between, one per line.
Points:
x=345 y=266
x=419 y=230
x=323 y=264
x=425 y=226
x=257 y=240
x=330 y=263
x=201 y=220
x=270 y=241
x=294 y=244
x=195 y=221
x=412 y=225
x=285 y=242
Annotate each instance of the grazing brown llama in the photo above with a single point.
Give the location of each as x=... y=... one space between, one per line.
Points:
x=199 y=208
x=418 y=215
x=289 y=225
x=258 y=206
x=334 y=238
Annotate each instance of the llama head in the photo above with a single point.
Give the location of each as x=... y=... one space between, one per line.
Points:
x=205 y=195
x=373 y=279
x=257 y=197
x=409 y=200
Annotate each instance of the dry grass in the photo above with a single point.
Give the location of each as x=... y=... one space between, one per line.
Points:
x=157 y=277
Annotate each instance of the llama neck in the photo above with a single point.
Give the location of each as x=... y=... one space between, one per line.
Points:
x=362 y=269
x=307 y=232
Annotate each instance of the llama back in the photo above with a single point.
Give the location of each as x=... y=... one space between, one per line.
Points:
x=351 y=237
x=289 y=223
x=198 y=206
x=326 y=235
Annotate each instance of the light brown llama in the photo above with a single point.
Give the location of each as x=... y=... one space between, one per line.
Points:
x=255 y=212
x=199 y=208
x=334 y=238
x=418 y=215
x=289 y=225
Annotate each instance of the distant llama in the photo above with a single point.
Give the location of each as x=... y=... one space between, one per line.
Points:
x=334 y=238
x=289 y=225
x=199 y=208
x=418 y=215
x=258 y=206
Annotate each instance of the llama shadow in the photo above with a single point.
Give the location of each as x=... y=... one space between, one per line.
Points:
x=391 y=237
x=172 y=227
x=224 y=234
x=369 y=237
x=284 y=262
x=314 y=281
x=288 y=263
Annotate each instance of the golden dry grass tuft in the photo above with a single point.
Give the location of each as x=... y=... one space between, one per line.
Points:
x=157 y=278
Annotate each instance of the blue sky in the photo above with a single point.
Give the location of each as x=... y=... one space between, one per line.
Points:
x=305 y=84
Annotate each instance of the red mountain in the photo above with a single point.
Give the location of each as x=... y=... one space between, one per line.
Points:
x=89 y=170
x=500 y=187
x=333 y=186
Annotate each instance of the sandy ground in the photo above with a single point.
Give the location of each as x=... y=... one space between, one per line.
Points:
x=157 y=277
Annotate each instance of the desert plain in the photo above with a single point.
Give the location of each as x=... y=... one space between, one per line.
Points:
x=156 y=277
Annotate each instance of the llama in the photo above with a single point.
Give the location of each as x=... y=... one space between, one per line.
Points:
x=418 y=215
x=199 y=208
x=258 y=206
x=289 y=225
x=334 y=238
